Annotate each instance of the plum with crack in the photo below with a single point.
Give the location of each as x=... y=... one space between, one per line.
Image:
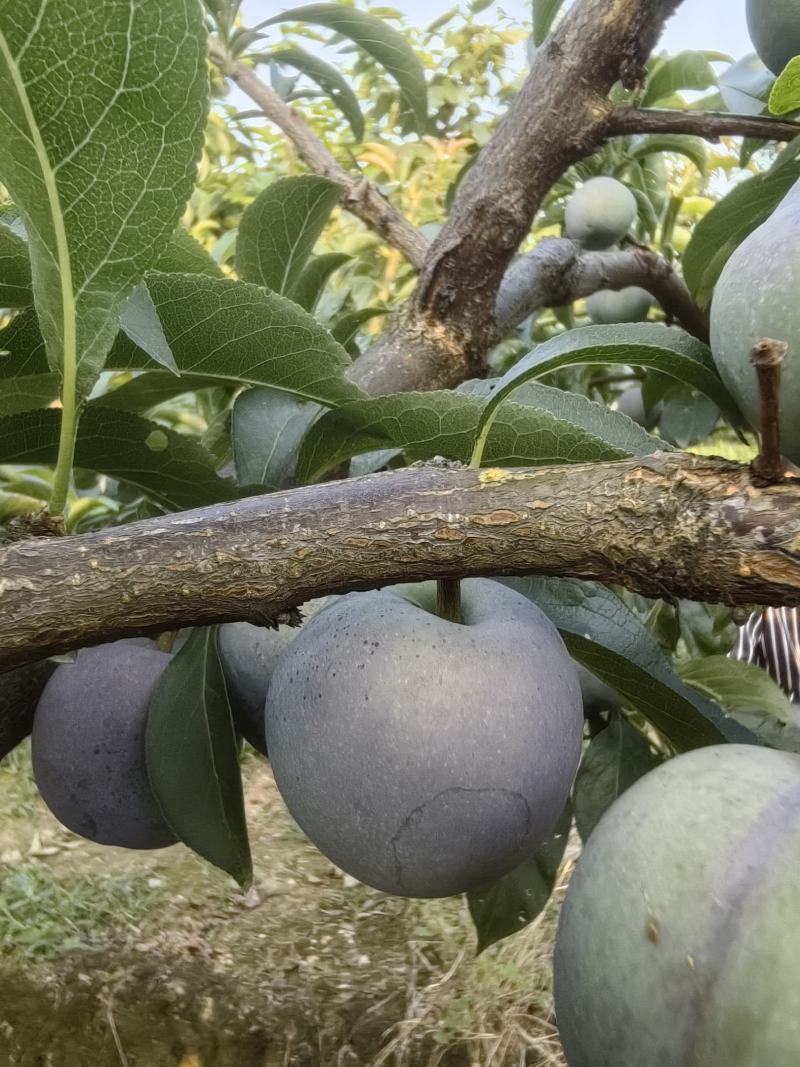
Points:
x=422 y=756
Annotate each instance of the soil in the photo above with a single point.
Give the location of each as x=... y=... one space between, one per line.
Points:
x=308 y=968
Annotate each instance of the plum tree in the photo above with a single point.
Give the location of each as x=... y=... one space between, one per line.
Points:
x=248 y=655
x=756 y=298
x=774 y=27
x=88 y=745
x=608 y=306
x=600 y=213
x=423 y=756
x=678 y=943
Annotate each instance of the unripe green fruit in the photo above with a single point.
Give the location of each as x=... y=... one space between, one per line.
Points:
x=422 y=756
x=600 y=213
x=88 y=745
x=678 y=943
x=624 y=305
x=756 y=298
x=774 y=27
x=249 y=655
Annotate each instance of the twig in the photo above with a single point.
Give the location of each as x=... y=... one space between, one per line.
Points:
x=769 y=467
x=707 y=124
x=359 y=196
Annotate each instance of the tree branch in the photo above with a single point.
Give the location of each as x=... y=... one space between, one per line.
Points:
x=559 y=116
x=710 y=125
x=360 y=197
x=556 y=272
x=668 y=524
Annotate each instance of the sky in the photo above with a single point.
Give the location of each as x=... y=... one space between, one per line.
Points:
x=718 y=25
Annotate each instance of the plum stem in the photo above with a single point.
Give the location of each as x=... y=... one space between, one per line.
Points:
x=448 y=599
x=767 y=357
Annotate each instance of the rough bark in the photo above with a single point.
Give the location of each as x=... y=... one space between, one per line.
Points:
x=559 y=116
x=558 y=272
x=670 y=524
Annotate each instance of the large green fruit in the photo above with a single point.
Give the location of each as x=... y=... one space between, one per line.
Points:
x=775 y=31
x=757 y=297
x=249 y=654
x=600 y=213
x=88 y=745
x=422 y=756
x=624 y=305
x=679 y=942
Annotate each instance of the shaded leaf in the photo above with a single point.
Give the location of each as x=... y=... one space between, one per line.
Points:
x=267 y=429
x=559 y=428
x=683 y=144
x=616 y=758
x=192 y=757
x=99 y=168
x=662 y=348
x=15 y=270
x=141 y=325
x=328 y=79
x=750 y=696
x=345 y=327
x=152 y=388
x=184 y=255
x=280 y=228
x=26 y=392
x=172 y=469
x=609 y=640
x=309 y=286
x=378 y=39
x=507 y=906
x=544 y=14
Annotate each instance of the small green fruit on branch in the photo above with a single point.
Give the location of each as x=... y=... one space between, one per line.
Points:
x=670 y=524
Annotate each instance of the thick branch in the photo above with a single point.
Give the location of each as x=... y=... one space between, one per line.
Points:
x=669 y=524
x=360 y=197
x=560 y=115
x=707 y=124
x=557 y=272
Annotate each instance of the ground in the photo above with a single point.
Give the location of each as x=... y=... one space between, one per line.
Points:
x=112 y=958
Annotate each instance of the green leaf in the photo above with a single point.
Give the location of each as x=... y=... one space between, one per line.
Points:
x=544 y=14
x=280 y=228
x=683 y=144
x=345 y=327
x=508 y=905
x=27 y=392
x=184 y=255
x=719 y=233
x=745 y=86
x=609 y=640
x=171 y=468
x=141 y=325
x=557 y=427
x=663 y=348
x=309 y=286
x=193 y=757
x=240 y=333
x=15 y=270
x=749 y=695
x=686 y=70
x=785 y=94
x=152 y=388
x=328 y=79
x=267 y=429
x=616 y=758
x=378 y=39
x=100 y=168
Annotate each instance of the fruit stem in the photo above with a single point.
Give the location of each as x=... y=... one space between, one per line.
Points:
x=448 y=599
x=767 y=357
